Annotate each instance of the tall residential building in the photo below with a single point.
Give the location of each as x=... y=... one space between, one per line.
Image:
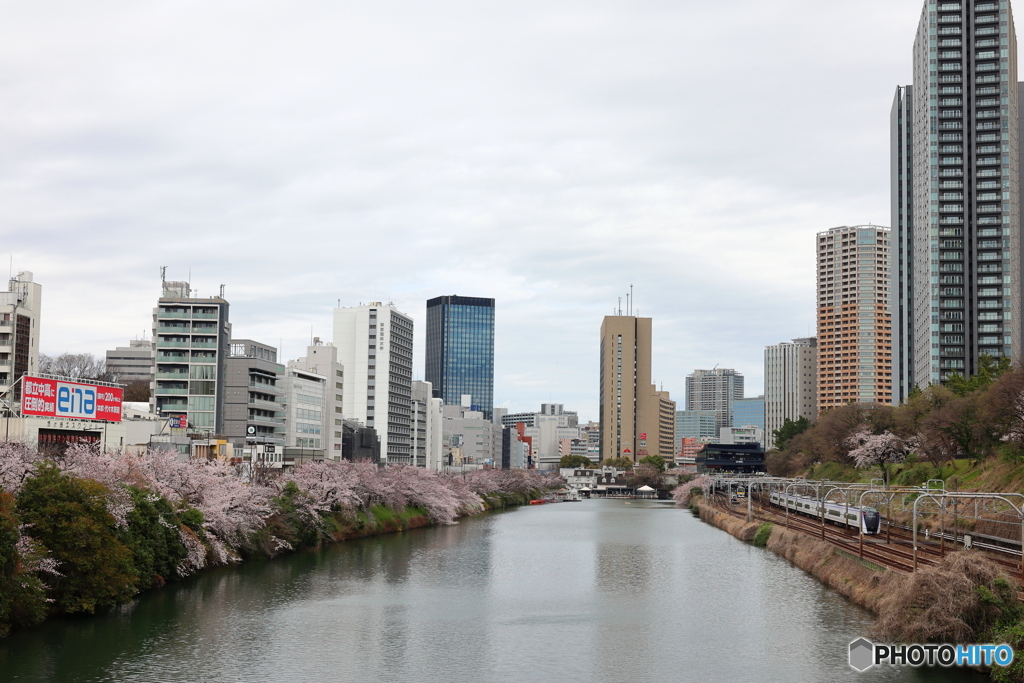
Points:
x=460 y=350
x=632 y=409
x=254 y=395
x=19 y=332
x=132 y=363
x=965 y=195
x=714 y=389
x=854 y=319
x=747 y=412
x=190 y=348
x=375 y=347
x=322 y=359
x=790 y=384
x=901 y=268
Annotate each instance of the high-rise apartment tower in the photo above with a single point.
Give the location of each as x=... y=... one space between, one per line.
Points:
x=460 y=350
x=714 y=389
x=854 y=318
x=963 y=204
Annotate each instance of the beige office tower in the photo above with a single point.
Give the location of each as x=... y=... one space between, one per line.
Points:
x=854 y=316
x=636 y=419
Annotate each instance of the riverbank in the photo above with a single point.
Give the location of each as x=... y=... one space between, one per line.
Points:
x=964 y=599
x=90 y=530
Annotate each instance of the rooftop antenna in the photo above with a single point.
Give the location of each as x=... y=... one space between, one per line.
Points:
x=630 y=297
x=222 y=291
x=620 y=305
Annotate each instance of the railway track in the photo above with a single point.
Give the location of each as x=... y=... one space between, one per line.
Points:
x=892 y=548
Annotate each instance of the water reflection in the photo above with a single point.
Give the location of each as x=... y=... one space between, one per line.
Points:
x=594 y=591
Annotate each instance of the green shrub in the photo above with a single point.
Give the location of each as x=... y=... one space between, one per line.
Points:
x=153 y=537
x=69 y=517
x=917 y=474
x=764 y=532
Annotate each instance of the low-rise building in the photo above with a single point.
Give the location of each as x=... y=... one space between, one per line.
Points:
x=253 y=399
x=132 y=363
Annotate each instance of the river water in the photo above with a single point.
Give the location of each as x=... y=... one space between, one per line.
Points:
x=601 y=590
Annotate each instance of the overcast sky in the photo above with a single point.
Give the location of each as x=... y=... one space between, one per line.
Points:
x=544 y=153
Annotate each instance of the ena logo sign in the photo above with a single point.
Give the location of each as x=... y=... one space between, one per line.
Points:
x=78 y=400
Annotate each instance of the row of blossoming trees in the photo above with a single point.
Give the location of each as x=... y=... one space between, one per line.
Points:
x=974 y=418
x=90 y=529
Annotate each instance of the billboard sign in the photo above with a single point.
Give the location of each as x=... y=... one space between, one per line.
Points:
x=179 y=421
x=64 y=398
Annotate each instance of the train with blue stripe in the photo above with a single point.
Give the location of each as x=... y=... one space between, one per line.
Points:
x=867 y=519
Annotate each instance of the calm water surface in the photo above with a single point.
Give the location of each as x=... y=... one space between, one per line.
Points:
x=605 y=590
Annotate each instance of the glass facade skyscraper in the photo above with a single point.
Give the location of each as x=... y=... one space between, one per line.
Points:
x=460 y=350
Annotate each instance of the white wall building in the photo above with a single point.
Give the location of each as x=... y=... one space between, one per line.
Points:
x=427 y=426
x=322 y=359
x=547 y=432
x=741 y=434
x=375 y=344
x=19 y=329
x=790 y=384
x=305 y=418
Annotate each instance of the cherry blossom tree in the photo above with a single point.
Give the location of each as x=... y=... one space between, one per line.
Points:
x=681 y=494
x=869 y=449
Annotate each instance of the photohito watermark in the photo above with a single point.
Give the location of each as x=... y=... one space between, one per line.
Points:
x=864 y=654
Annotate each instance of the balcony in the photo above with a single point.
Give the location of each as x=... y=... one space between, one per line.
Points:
x=172 y=314
x=173 y=329
x=204 y=344
x=203 y=359
x=160 y=344
x=179 y=376
x=170 y=391
x=267 y=405
x=199 y=315
x=171 y=358
x=264 y=420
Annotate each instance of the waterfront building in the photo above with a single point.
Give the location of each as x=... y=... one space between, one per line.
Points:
x=322 y=359
x=632 y=409
x=305 y=413
x=716 y=390
x=375 y=344
x=854 y=318
x=190 y=347
x=790 y=384
x=254 y=396
x=20 y=308
x=955 y=141
x=468 y=440
x=460 y=350
x=427 y=426
x=748 y=411
x=132 y=363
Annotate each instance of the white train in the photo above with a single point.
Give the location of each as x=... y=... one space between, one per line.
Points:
x=867 y=519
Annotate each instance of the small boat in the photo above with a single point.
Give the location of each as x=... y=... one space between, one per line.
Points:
x=539 y=501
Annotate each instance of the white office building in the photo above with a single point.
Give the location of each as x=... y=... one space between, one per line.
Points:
x=322 y=360
x=790 y=384
x=427 y=427
x=374 y=344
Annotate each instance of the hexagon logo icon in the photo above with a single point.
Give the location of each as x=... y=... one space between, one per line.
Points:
x=862 y=654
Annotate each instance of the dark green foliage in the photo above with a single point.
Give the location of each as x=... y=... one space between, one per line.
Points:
x=655 y=461
x=989 y=370
x=788 y=430
x=917 y=474
x=576 y=461
x=619 y=463
x=22 y=595
x=764 y=532
x=69 y=517
x=156 y=546
x=193 y=519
